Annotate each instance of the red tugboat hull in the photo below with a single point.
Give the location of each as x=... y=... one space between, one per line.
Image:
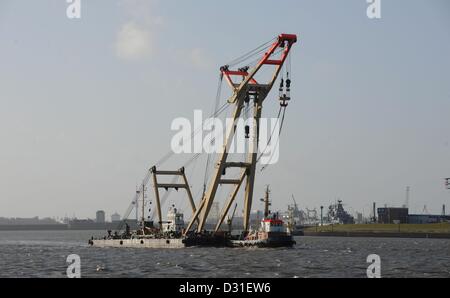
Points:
x=272 y=242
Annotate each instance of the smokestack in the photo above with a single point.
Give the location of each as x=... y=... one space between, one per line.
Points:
x=408 y=189
x=374 y=214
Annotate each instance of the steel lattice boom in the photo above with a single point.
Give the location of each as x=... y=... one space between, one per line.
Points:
x=248 y=89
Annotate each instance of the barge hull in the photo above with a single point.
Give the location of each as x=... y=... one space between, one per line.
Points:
x=139 y=243
x=199 y=241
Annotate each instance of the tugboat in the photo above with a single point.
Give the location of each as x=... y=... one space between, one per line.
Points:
x=271 y=233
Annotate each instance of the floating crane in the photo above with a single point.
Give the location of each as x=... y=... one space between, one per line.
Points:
x=249 y=93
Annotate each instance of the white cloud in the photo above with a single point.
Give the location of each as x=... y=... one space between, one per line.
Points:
x=134 y=42
x=142 y=11
x=159 y=20
x=199 y=58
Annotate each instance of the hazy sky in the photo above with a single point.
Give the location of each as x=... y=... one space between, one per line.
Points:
x=86 y=104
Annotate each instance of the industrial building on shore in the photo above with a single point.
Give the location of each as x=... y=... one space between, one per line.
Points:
x=393 y=215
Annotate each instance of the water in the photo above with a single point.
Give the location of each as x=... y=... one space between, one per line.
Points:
x=44 y=253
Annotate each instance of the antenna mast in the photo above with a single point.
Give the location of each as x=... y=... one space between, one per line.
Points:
x=143 y=208
x=266 y=202
x=408 y=190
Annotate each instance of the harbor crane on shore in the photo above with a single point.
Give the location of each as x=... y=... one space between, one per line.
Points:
x=295 y=202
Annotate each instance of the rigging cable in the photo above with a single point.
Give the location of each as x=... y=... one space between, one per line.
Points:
x=277 y=141
x=282 y=108
x=254 y=62
x=253 y=52
x=271 y=135
x=170 y=154
x=278 y=116
x=208 y=160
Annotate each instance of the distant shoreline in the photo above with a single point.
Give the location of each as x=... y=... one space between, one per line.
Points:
x=438 y=230
x=379 y=235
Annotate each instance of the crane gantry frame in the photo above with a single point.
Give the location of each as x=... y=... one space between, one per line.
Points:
x=249 y=88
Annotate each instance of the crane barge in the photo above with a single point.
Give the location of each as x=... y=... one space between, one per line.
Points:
x=248 y=92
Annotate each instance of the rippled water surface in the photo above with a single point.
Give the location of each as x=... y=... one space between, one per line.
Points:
x=44 y=253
